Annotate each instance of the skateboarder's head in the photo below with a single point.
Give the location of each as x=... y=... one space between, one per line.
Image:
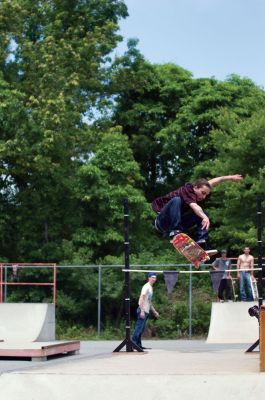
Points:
x=202 y=188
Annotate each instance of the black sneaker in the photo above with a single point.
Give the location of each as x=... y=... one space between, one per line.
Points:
x=172 y=234
x=202 y=243
x=157 y=227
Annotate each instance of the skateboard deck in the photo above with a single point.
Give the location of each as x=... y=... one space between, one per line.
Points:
x=254 y=289
x=190 y=249
x=233 y=283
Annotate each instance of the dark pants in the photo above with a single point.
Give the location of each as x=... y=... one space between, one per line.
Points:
x=224 y=291
x=139 y=327
x=172 y=218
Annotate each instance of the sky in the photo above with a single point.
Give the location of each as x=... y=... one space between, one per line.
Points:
x=209 y=38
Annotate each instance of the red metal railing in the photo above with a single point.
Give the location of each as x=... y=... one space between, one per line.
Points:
x=4 y=283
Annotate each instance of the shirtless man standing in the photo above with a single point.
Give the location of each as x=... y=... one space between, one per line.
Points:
x=245 y=265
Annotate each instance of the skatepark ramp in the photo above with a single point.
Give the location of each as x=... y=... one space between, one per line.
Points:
x=231 y=323
x=27 y=322
x=28 y=330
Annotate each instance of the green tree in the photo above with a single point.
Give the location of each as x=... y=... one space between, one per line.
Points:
x=11 y=115
x=187 y=140
x=146 y=99
x=168 y=116
x=240 y=148
x=110 y=175
x=53 y=54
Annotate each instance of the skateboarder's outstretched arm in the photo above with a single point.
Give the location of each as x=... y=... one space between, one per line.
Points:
x=199 y=211
x=202 y=191
x=220 y=179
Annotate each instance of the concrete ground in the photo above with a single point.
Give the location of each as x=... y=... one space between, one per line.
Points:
x=182 y=369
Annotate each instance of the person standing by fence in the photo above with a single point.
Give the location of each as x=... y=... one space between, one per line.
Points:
x=223 y=264
x=245 y=265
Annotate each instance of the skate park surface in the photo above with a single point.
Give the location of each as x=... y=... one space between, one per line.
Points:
x=187 y=369
x=181 y=369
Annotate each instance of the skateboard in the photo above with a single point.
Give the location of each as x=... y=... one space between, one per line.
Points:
x=254 y=289
x=190 y=249
x=233 y=283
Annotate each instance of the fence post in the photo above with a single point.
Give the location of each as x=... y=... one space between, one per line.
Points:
x=190 y=303
x=5 y=289
x=260 y=252
x=1 y=283
x=99 y=299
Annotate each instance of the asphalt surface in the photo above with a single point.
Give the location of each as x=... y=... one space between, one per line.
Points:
x=92 y=349
x=170 y=369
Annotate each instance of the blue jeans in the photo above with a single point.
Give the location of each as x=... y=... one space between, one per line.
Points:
x=172 y=218
x=244 y=283
x=139 y=327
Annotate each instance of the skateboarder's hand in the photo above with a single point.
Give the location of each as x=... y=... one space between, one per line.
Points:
x=236 y=178
x=205 y=223
x=142 y=314
x=156 y=314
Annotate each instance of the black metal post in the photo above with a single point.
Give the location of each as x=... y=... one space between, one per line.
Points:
x=260 y=251
x=130 y=345
x=261 y=272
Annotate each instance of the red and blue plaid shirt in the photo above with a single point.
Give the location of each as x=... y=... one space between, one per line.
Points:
x=186 y=193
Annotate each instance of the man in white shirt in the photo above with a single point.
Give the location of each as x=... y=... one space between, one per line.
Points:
x=144 y=308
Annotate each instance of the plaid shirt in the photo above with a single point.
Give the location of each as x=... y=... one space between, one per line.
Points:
x=186 y=193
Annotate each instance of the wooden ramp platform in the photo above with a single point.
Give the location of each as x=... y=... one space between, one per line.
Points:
x=38 y=351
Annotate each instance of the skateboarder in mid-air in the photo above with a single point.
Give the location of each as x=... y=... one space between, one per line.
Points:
x=179 y=211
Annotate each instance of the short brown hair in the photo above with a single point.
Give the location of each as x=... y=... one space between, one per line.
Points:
x=201 y=182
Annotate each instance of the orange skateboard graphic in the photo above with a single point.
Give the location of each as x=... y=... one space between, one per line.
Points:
x=190 y=249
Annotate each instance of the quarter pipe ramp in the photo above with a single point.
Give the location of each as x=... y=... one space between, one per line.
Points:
x=231 y=323
x=27 y=322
